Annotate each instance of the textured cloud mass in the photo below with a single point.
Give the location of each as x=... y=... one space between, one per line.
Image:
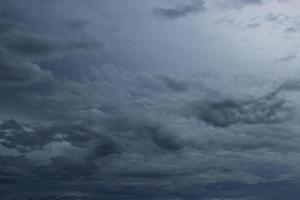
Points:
x=79 y=120
x=181 y=10
x=186 y=8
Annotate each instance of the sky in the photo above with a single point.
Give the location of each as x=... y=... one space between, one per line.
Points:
x=149 y=100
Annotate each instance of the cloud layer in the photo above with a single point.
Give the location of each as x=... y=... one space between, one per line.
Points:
x=106 y=131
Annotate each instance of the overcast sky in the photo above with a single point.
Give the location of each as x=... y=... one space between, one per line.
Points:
x=149 y=100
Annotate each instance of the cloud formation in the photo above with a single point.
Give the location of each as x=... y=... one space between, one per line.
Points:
x=193 y=7
x=120 y=133
x=181 y=10
x=223 y=113
x=287 y=58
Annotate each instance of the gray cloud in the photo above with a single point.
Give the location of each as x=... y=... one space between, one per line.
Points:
x=38 y=47
x=181 y=10
x=277 y=18
x=291 y=30
x=245 y=2
x=136 y=141
x=119 y=133
x=196 y=6
x=5 y=26
x=223 y=113
x=288 y=58
x=77 y=24
x=24 y=52
x=239 y=4
x=253 y=25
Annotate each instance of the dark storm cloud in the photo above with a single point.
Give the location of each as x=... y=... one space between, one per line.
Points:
x=34 y=46
x=18 y=71
x=29 y=45
x=14 y=135
x=124 y=145
x=117 y=133
x=271 y=108
x=16 y=68
x=223 y=113
x=25 y=140
x=24 y=50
